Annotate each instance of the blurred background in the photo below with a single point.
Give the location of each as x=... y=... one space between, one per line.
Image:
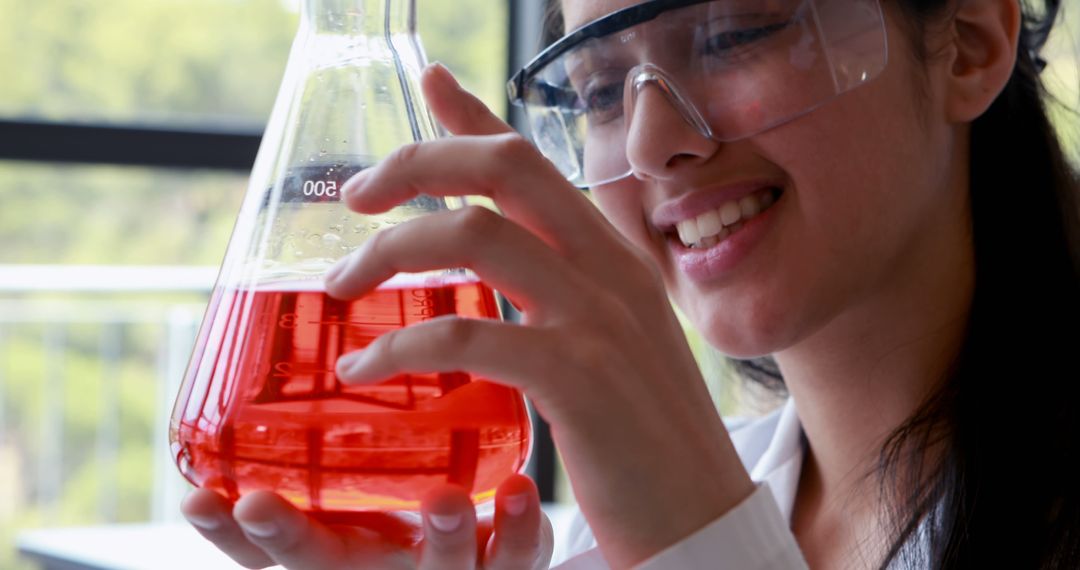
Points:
x=106 y=263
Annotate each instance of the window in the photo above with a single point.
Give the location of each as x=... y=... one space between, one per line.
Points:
x=105 y=269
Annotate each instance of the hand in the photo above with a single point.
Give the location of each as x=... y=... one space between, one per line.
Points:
x=599 y=351
x=263 y=530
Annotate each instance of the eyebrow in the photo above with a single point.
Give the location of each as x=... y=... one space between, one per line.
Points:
x=596 y=45
x=613 y=22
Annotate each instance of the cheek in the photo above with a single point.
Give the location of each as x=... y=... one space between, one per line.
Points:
x=867 y=180
x=622 y=207
x=864 y=192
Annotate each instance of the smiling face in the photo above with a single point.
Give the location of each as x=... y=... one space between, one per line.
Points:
x=865 y=188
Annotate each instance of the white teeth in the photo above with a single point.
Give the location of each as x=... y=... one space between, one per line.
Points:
x=710 y=223
x=714 y=226
x=750 y=206
x=730 y=213
x=688 y=231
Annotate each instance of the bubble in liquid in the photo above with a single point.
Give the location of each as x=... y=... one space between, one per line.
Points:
x=337 y=228
x=314 y=238
x=330 y=240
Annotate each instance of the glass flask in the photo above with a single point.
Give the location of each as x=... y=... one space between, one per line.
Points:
x=260 y=406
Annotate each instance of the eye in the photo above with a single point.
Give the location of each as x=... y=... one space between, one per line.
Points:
x=603 y=101
x=727 y=44
x=599 y=95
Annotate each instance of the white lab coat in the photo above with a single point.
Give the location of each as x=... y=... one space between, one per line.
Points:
x=755 y=535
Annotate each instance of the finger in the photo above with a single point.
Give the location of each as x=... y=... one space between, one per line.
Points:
x=518 y=542
x=506 y=353
x=505 y=255
x=287 y=535
x=449 y=530
x=211 y=515
x=461 y=112
x=504 y=168
x=396 y=529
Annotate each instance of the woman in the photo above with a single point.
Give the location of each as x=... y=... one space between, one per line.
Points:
x=871 y=194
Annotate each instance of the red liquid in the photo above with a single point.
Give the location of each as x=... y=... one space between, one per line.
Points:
x=266 y=411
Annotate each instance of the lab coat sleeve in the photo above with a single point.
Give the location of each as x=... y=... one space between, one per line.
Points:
x=752 y=536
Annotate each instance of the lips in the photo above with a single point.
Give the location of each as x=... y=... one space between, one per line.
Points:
x=699 y=201
x=715 y=252
x=713 y=226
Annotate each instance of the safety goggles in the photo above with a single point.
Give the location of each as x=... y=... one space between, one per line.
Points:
x=732 y=69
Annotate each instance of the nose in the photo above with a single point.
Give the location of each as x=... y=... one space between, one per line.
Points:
x=666 y=133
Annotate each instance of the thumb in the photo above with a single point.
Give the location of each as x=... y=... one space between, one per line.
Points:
x=461 y=112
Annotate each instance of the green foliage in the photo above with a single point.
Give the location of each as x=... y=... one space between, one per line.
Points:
x=469 y=37
x=1062 y=79
x=197 y=63
x=124 y=60
x=112 y=215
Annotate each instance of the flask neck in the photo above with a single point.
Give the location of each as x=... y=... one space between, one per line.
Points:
x=359 y=17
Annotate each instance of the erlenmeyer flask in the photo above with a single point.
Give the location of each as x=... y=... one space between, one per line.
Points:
x=260 y=406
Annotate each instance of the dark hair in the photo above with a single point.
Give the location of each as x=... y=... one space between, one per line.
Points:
x=1004 y=491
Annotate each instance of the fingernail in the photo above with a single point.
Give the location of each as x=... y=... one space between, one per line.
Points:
x=515 y=504
x=349 y=364
x=263 y=529
x=353 y=183
x=445 y=523
x=204 y=522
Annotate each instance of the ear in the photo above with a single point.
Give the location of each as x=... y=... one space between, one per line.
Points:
x=983 y=54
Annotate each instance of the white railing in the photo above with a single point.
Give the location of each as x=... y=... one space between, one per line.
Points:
x=56 y=321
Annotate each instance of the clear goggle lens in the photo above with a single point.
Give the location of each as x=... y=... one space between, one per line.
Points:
x=732 y=68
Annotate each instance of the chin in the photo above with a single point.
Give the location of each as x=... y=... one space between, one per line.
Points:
x=737 y=347
x=742 y=334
